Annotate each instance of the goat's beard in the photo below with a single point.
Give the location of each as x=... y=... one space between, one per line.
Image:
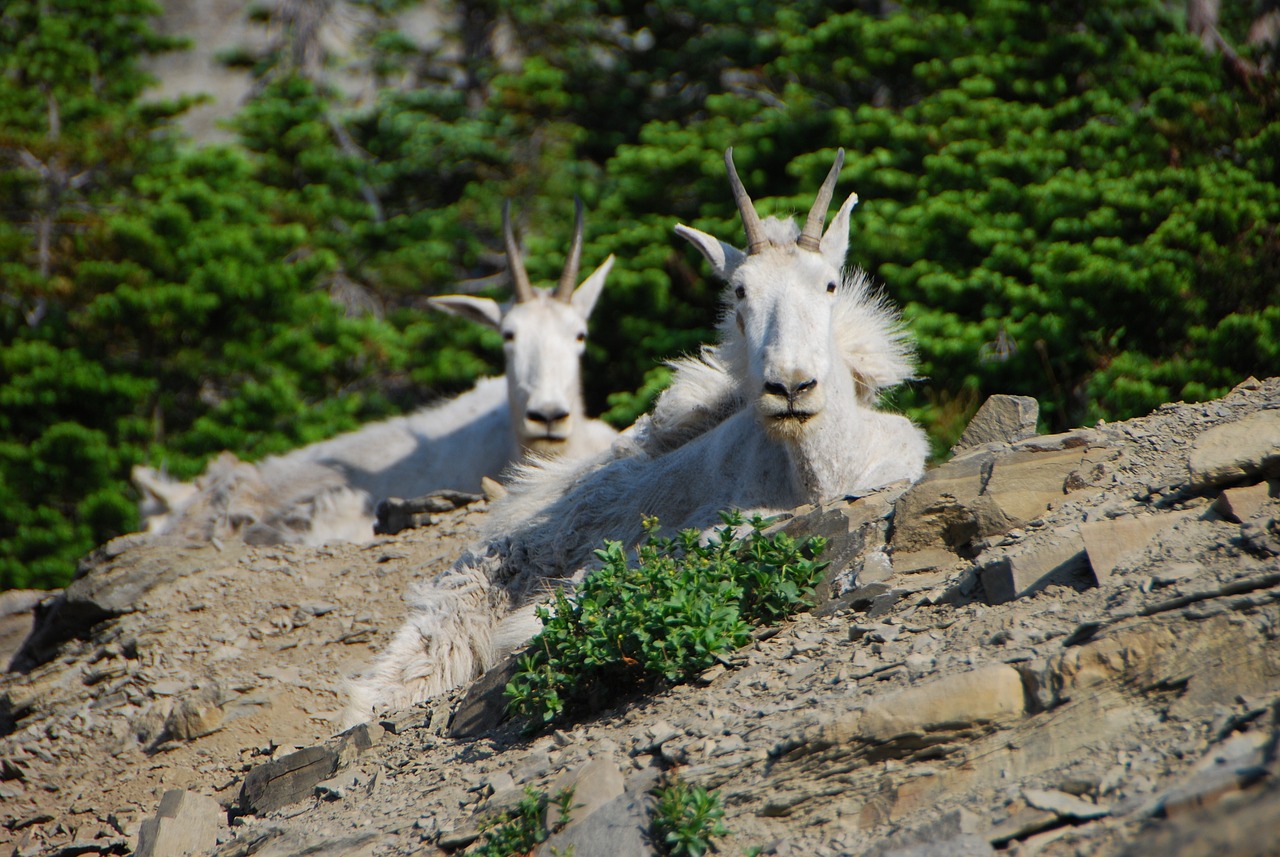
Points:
x=783 y=423
x=545 y=446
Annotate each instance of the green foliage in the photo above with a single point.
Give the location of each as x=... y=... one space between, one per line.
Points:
x=686 y=819
x=521 y=830
x=1072 y=202
x=670 y=615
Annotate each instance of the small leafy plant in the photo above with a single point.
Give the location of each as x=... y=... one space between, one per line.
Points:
x=686 y=818
x=629 y=627
x=522 y=829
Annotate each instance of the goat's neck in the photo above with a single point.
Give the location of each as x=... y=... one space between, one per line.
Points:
x=830 y=449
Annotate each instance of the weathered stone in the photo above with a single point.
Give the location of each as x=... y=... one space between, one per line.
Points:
x=195 y=714
x=1001 y=419
x=395 y=515
x=1242 y=504
x=17 y=618
x=287 y=780
x=185 y=824
x=619 y=828
x=1236 y=451
x=1110 y=541
x=911 y=562
x=1020 y=825
x=962 y=845
x=1235 y=764
x=985 y=491
x=594 y=784
x=953 y=834
x=937 y=709
x=362 y=736
x=485 y=704
x=1024 y=570
x=1063 y=804
x=944 y=507
x=277 y=842
x=1245 y=826
x=105 y=588
x=990 y=694
x=851 y=528
x=346 y=784
x=1024 y=485
x=876 y=567
x=1074 y=439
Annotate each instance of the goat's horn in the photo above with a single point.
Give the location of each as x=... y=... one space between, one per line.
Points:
x=569 y=278
x=750 y=220
x=811 y=237
x=515 y=264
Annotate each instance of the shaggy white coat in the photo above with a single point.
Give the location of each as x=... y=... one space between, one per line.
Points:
x=713 y=442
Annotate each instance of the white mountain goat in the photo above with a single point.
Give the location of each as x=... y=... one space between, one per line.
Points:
x=328 y=491
x=780 y=413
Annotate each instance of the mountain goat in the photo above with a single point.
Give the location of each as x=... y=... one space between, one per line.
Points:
x=778 y=414
x=327 y=491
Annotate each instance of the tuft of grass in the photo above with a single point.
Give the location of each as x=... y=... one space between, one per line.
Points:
x=670 y=615
x=686 y=819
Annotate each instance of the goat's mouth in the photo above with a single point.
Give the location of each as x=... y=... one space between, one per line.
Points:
x=548 y=441
x=786 y=420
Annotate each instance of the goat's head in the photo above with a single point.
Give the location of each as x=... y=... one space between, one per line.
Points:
x=782 y=296
x=544 y=333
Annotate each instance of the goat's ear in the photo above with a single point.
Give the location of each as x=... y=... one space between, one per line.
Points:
x=585 y=296
x=480 y=310
x=159 y=491
x=724 y=258
x=835 y=243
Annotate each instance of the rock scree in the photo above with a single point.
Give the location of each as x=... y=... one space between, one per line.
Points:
x=1057 y=645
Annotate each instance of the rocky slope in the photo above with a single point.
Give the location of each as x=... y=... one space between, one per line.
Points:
x=1055 y=645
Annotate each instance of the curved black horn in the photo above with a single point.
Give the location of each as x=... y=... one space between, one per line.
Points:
x=569 y=277
x=515 y=264
x=750 y=220
x=811 y=237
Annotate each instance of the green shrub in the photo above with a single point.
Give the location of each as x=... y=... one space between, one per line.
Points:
x=519 y=831
x=630 y=627
x=686 y=818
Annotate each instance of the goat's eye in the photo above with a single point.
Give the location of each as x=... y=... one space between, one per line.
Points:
x=582 y=337
x=740 y=292
x=831 y=286
x=508 y=336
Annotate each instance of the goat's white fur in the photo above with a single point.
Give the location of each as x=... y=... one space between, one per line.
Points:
x=328 y=491
x=721 y=436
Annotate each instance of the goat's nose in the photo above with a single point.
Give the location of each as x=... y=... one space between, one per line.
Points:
x=789 y=391
x=548 y=416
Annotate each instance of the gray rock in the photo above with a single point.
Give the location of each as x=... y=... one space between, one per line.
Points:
x=1236 y=451
x=1063 y=804
x=594 y=784
x=485 y=704
x=287 y=780
x=1001 y=419
x=619 y=828
x=961 y=845
x=278 y=842
x=1242 y=504
x=1111 y=541
x=195 y=714
x=185 y=824
x=395 y=515
x=1032 y=568
x=108 y=584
